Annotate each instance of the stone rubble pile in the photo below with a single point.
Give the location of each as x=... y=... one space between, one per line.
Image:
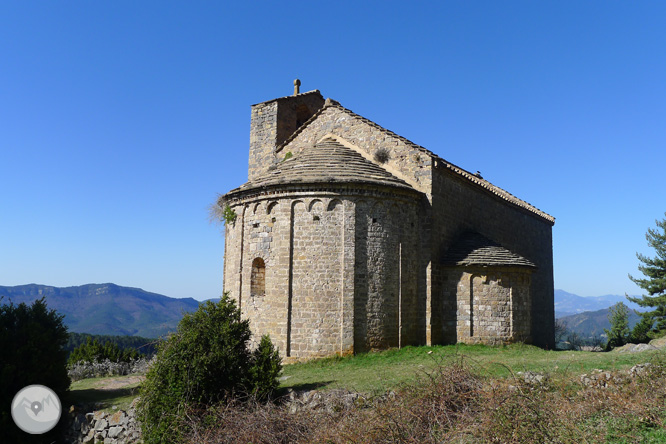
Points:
x=603 y=378
x=532 y=378
x=119 y=427
x=635 y=348
x=331 y=401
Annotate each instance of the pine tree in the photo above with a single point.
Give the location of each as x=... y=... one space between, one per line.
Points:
x=619 y=321
x=654 y=270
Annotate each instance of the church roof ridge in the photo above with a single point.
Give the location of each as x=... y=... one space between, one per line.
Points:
x=478 y=181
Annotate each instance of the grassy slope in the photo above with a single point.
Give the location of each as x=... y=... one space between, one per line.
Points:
x=92 y=391
x=388 y=370
x=377 y=372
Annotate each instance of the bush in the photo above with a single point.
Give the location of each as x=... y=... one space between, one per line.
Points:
x=32 y=342
x=265 y=369
x=206 y=362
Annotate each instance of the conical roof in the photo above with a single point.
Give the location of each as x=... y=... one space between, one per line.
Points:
x=472 y=248
x=326 y=161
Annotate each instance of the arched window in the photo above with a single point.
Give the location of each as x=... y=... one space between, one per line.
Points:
x=258 y=278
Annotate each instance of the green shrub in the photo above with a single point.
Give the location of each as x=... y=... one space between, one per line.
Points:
x=229 y=215
x=206 y=362
x=265 y=369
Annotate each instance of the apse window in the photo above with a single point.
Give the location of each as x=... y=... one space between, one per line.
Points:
x=258 y=278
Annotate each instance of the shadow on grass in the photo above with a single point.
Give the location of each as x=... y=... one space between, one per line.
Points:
x=103 y=397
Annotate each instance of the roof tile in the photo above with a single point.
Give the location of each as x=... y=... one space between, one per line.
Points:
x=326 y=161
x=472 y=248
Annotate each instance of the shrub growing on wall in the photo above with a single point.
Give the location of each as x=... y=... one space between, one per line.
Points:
x=206 y=362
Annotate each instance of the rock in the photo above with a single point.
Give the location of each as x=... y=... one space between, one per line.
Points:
x=599 y=379
x=532 y=377
x=118 y=418
x=114 y=432
x=635 y=348
x=639 y=369
x=659 y=343
x=135 y=401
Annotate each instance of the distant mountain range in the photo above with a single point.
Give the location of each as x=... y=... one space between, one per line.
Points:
x=107 y=309
x=567 y=304
x=588 y=316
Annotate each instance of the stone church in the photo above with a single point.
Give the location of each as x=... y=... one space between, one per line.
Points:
x=348 y=237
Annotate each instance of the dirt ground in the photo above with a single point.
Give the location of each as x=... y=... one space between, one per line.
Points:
x=119 y=382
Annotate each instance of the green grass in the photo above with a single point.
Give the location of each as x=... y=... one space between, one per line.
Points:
x=92 y=391
x=381 y=371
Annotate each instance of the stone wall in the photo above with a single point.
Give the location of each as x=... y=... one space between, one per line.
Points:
x=489 y=305
x=387 y=253
x=405 y=161
x=336 y=265
x=116 y=427
x=272 y=122
x=452 y=205
x=316 y=276
x=459 y=206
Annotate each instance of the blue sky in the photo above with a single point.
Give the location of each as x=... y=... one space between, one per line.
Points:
x=121 y=121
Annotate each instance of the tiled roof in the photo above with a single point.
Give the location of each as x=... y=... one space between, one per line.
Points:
x=478 y=181
x=326 y=161
x=472 y=248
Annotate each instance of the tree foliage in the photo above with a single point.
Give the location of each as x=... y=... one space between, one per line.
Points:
x=206 y=362
x=654 y=282
x=641 y=332
x=145 y=346
x=32 y=341
x=94 y=351
x=619 y=323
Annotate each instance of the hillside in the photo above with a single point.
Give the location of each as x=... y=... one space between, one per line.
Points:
x=592 y=323
x=107 y=309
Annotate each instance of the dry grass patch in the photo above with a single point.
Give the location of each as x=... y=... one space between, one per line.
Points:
x=460 y=401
